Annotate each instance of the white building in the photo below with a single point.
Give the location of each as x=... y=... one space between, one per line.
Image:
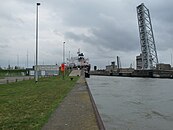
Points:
x=139 y=62
x=46 y=70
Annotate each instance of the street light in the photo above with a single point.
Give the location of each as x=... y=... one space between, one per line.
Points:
x=36 y=66
x=63 y=52
x=64 y=58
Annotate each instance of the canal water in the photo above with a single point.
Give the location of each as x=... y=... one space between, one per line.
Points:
x=133 y=103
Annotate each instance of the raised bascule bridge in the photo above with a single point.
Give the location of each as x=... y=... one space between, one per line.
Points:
x=149 y=65
x=148 y=47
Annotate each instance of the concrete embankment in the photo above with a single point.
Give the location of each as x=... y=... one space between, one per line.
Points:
x=6 y=80
x=137 y=73
x=76 y=112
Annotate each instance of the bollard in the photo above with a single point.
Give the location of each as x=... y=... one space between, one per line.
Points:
x=7 y=81
x=16 y=80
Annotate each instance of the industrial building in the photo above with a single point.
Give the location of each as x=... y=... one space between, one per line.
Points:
x=162 y=66
x=111 y=67
x=139 y=62
x=116 y=71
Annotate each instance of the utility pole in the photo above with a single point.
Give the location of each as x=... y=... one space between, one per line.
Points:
x=36 y=66
x=171 y=59
x=63 y=52
x=69 y=55
x=64 y=58
x=27 y=59
x=118 y=64
x=17 y=61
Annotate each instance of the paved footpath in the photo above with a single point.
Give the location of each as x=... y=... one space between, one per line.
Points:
x=75 y=112
x=75 y=73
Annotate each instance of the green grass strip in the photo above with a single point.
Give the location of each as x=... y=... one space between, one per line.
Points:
x=28 y=105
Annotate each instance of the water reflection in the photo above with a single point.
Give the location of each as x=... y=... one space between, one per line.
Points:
x=133 y=103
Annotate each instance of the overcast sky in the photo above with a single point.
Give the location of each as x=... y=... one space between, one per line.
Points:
x=102 y=29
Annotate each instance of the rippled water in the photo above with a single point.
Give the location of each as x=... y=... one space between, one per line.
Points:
x=133 y=103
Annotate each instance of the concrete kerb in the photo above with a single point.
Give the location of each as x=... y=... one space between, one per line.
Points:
x=97 y=115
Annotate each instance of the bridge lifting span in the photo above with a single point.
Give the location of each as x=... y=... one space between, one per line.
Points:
x=148 y=47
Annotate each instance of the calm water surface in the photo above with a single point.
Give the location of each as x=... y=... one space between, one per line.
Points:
x=133 y=103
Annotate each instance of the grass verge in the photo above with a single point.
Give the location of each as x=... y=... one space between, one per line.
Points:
x=26 y=105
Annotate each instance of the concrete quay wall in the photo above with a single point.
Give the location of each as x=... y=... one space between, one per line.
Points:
x=137 y=73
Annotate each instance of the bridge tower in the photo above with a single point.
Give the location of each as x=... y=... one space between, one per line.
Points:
x=148 y=47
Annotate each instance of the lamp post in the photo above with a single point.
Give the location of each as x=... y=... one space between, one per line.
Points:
x=64 y=52
x=36 y=66
x=64 y=58
x=17 y=61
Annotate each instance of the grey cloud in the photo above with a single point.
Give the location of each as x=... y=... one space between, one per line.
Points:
x=86 y=15
x=108 y=37
x=4 y=46
x=80 y=13
x=162 y=13
x=4 y=42
x=71 y=35
x=79 y=37
x=116 y=39
x=111 y=25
